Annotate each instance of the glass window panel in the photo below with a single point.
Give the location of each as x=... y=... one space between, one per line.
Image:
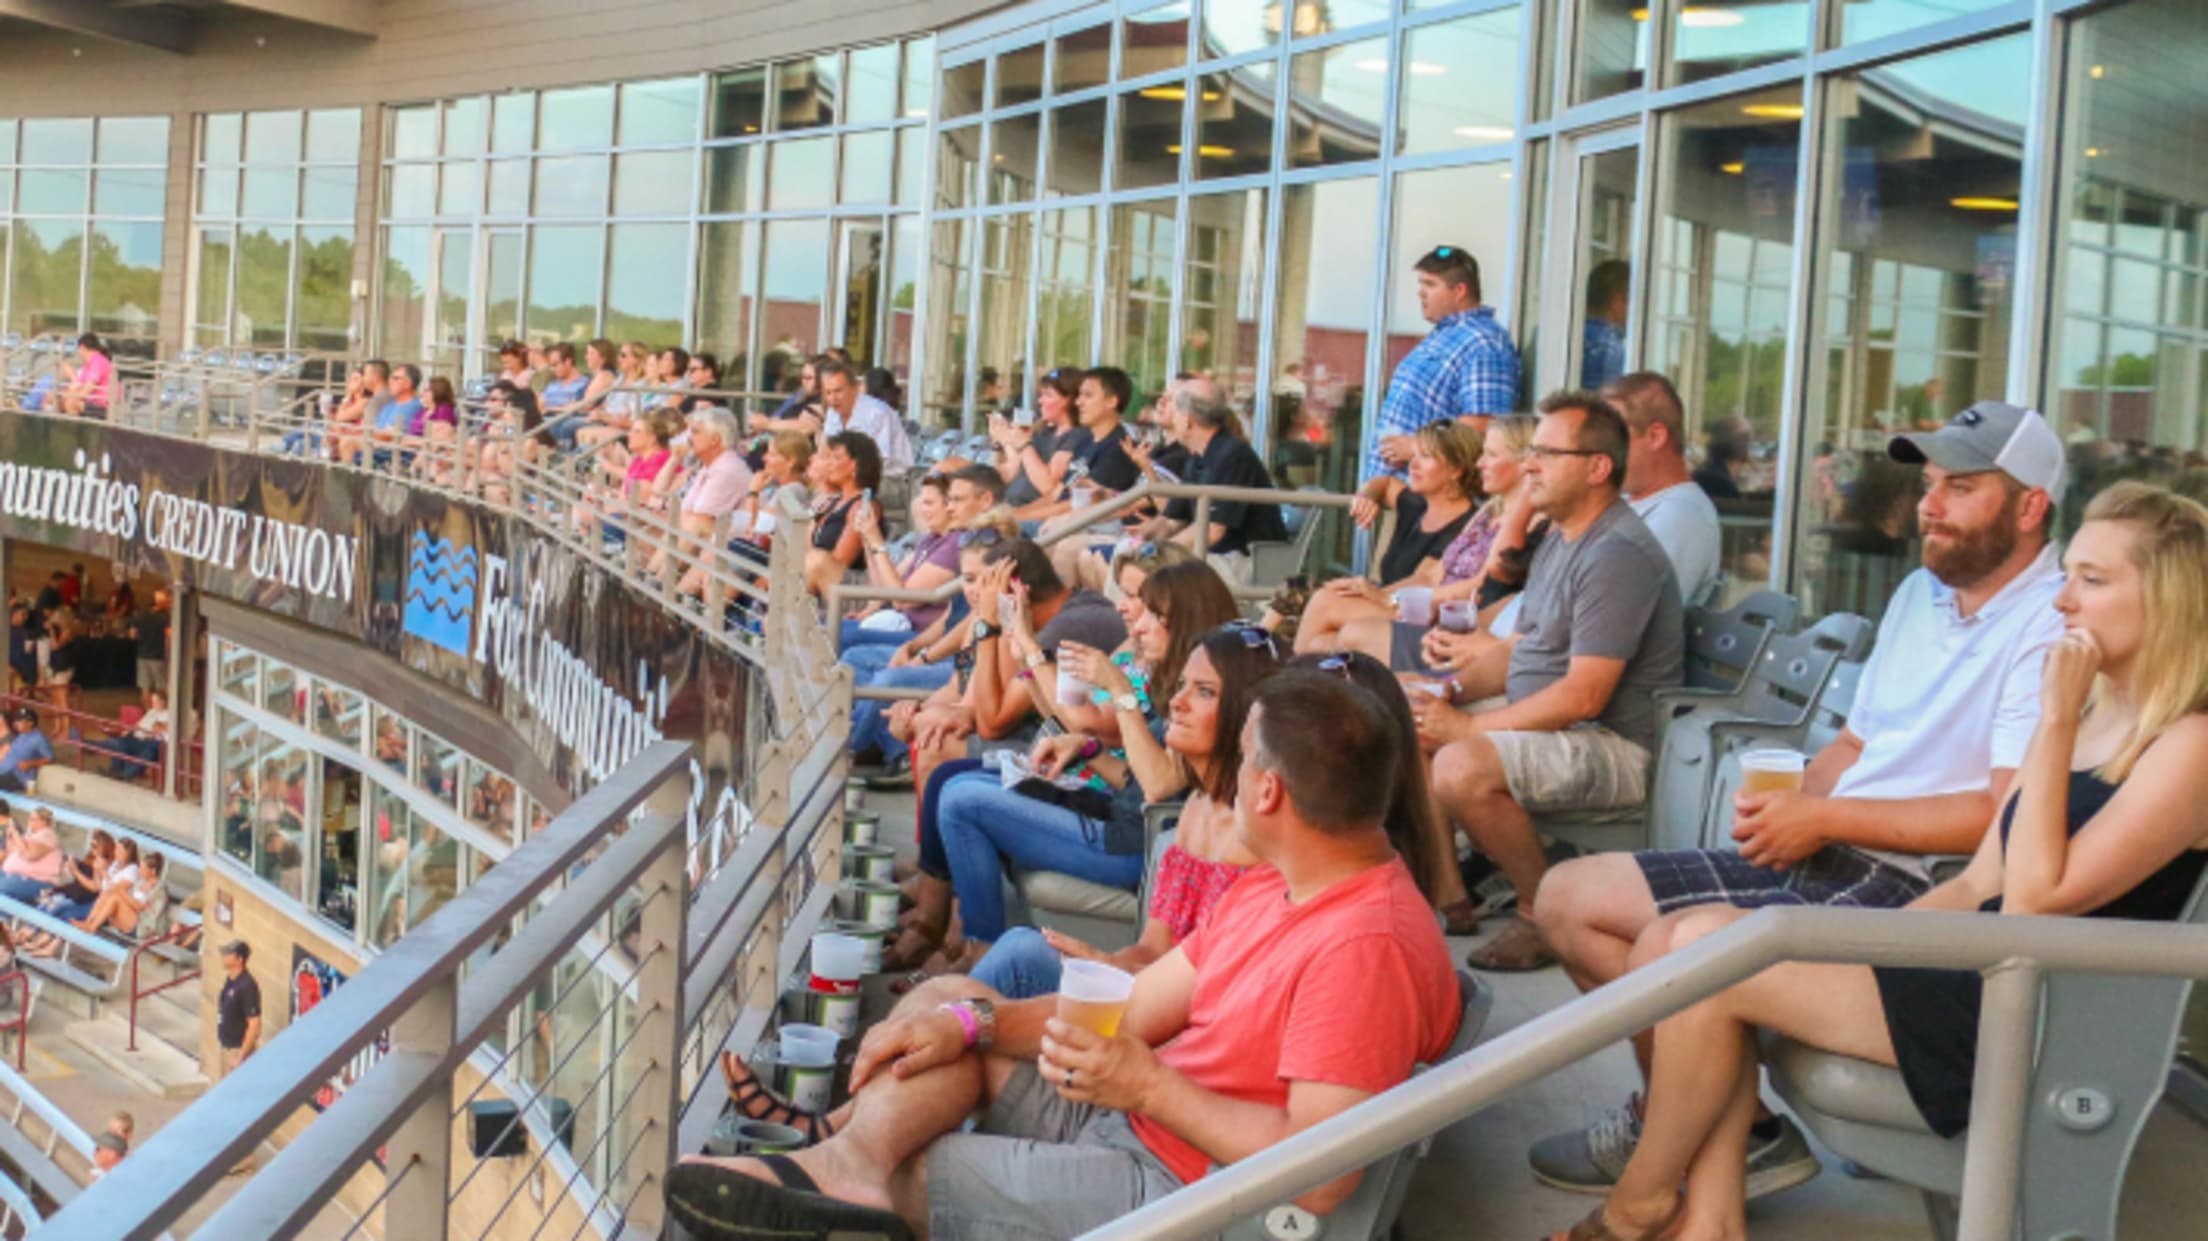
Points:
x=912 y=166
x=337 y=896
x=412 y=191
x=1154 y=41
x=448 y=335
x=130 y=191
x=1012 y=144
x=44 y=278
x=732 y=178
x=1336 y=99
x=414 y=132
x=1715 y=37
x=728 y=271
x=573 y=185
x=513 y=123
x=1861 y=20
x=644 y=288
x=575 y=119
x=212 y=277
x=659 y=113
x=1433 y=207
x=919 y=77
x=805 y=93
x=281 y=688
x=1603 y=264
x=7 y=142
x=654 y=183
x=799 y=176
x=219 y=138
x=962 y=86
x=860 y=246
x=1066 y=288
x=279 y=818
x=491 y=801
x=460 y=188
x=57 y=140
x=1084 y=59
x=1005 y=256
x=1922 y=214
x=264 y=285
x=1077 y=148
x=906 y=253
x=239 y=744
x=740 y=102
x=871 y=96
x=126 y=278
x=331 y=193
x=1234 y=122
x=134 y=140
x=1149 y=140
x=1322 y=323
x=405 y=291
x=323 y=308
x=1138 y=291
x=1461 y=88
x=565 y=266
x=509 y=194
x=948 y=289
x=1222 y=289
x=218 y=192
x=333 y=135
x=795 y=255
x=438 y=774
x=465 y=124
x=271 y=194
x=1613 y=48
x=53 y=191
x=867 y=166
x=390 y=831
x=1020 y=75
x=957 y=166
x=502 y=276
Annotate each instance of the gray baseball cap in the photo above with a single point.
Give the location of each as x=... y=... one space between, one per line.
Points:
x=1991 y=435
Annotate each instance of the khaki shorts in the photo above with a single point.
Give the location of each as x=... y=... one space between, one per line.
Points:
x=1583 y=768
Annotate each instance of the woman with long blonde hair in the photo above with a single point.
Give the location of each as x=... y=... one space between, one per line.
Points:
x=2104 y=820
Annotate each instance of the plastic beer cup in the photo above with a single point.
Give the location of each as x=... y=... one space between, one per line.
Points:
x=1771 y=771
x=1093 y=995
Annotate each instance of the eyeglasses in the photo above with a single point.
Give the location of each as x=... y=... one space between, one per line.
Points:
x=1543 y=452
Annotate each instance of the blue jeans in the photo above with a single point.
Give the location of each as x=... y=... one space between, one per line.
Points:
x=22 y=888
x=563 y=428
x=984 y=825
x=147 y=748
x=1020 y=965
x=933 y=861
x=870 y=716
x=856 y=635
x=72 y=911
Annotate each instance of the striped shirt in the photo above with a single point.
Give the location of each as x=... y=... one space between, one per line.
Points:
x=1466 y=365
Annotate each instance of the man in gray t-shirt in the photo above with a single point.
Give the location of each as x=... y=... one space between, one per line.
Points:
x=1562 y=718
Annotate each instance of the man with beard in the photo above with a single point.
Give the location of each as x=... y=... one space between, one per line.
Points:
x=1941 y=718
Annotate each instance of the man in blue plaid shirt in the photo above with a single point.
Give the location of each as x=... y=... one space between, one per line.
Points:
x=1465 y=368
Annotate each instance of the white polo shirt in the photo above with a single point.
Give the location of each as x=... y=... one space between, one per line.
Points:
x=874 y=418
x=1685 y=524
x=1946 y=699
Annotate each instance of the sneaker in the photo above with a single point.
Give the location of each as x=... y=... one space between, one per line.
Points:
x=1590 y=1160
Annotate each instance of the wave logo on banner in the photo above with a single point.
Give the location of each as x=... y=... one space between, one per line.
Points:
x=440 y=593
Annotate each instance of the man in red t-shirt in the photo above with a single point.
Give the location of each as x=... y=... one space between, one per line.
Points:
x=1315 y=983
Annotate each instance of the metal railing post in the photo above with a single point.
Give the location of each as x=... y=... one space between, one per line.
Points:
x=418 y=1158
x=656 y=1103
x=1993 y=1153
x=1202 y=524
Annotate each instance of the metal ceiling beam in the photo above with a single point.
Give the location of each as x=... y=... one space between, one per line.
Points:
x=162 y=30
x=356 y=17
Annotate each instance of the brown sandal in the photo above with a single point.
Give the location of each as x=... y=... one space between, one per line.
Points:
x=1459 y=917
x=1596 y=1227
x=745 y=1090
x=1517 y=949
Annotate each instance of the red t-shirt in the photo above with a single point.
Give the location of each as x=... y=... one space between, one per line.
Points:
x=1351 y=988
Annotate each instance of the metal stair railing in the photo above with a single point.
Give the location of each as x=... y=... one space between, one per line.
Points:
x=2013 y=951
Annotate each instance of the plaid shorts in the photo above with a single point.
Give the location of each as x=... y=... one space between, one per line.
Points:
x=1834 y=875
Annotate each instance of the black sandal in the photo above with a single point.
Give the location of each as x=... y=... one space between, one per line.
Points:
x=721 y=1204
x=745 y=1088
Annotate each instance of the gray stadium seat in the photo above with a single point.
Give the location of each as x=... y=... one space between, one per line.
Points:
x=1104 y=917
x=1722 y=646
x=2073 y=1169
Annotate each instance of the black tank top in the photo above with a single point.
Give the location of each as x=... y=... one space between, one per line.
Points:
x=2160 y=897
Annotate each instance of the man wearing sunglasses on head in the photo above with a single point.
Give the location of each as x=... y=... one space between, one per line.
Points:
x=1465 y=368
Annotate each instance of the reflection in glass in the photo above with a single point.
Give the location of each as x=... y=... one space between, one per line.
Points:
x=740 y=102
x=330 y=194
x=491 y=801
x=264 y=285
x=732 y=178
x=870 y=95
x=240 y=775
x=1462 y=87
x=805 y=93
x=48 y=262
x=1221 y=289
x=1232 y=27
x=912 y=167
x=1234 y=122
x=728 y=268
x=1002 y=338
x=219 y=138
x=1077 y=148
x=211 y=277
x=218 y=192
x=502 y=286
x=1613 y=48
x=126 y=278
x=962 y=86
x=957 y=165
x=513 y=123
x=799 y=175
x=455 y=272
x=439 y=772
x=333 y=135
x=948 y=290
x=1138 y=292
x=1065 y=288
x=410 y=191
x=464 y=126
x=1862 y=20
x=1012 y=158
x=1723 y=251
x=867 y=166
x=270 y=194
x=1604 y=265
x=659 y=113
x=337 y=890
x=653 y=183
x=565 y=263
x=919 y=77
x=339 y=714
x=53 y=191
x=905 y=253
x=861 y=251
x=414 y=132
x=572 y=186
x=57 y=140
x=1715 y=37
x=1336 y=99
x=280 y=818
x=281 y=691
x=1153 y=41
x=1921 y=221
x=1084 y=59
x=795 y=266
x=1322 y=311
x=1149 y=138
x=136 y=140
x=577 y=118
x=644 y=285
x=1437 y=207
x=509 y=187
x=1020 y=75
x=459 y=188
x=129 y=191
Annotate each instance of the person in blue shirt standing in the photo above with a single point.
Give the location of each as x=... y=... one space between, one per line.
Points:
x=1602 y=346
x=1466 y=367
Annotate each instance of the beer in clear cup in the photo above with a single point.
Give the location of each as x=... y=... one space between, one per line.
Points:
x=1771 y=771
x=1093 y=995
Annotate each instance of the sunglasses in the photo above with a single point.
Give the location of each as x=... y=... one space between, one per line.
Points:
x=987 y=536
x=1253 y=635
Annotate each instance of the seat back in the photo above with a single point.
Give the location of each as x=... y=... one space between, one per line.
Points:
x=1272 y=563
x=1722 y=647
x=1817 y=726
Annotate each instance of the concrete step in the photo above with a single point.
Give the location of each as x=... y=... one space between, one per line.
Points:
x=172 y=1023
x=157 y=1067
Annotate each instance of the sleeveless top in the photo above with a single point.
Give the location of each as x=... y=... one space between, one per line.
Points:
x=1187 y=887
x=1932 y=1014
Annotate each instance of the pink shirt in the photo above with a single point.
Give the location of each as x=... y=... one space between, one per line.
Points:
x=96 y=377
x=46 y=869
x=646 y=468
x=719 y=486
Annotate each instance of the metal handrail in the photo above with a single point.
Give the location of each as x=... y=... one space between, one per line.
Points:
x=138 y=952
x=21 y=981
x=2003 y=946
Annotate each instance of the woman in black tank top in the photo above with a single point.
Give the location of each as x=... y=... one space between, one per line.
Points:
x=2103 y=820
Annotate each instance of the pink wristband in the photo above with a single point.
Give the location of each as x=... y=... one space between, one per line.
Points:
x=966 y=1020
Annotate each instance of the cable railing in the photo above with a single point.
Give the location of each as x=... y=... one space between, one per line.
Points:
x=2012 y=951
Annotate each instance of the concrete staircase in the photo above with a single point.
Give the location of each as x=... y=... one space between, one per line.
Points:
x=166 y=1063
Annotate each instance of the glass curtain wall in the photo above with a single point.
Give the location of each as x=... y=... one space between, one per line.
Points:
x=273 y=209
x=1214 y=187
x=81 y=203
x=759 y=213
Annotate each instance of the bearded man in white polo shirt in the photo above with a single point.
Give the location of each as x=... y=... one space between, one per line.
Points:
x=1942 y=715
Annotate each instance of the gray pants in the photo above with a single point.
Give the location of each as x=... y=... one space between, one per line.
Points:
x=1039 y=1169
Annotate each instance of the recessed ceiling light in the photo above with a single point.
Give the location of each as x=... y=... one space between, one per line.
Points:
x=1733 y=169
x=1427 y=69
x=1486 y=133
x=1773 y=111
x=1205 y=151
x=2096 y=71
x=1710 y=19
x=1974 y=203
x=1373 y=64
x=2092 y=152
x=917 y=112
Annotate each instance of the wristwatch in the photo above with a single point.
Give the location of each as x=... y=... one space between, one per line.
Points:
x=1125 y=700
x=983 y=630
x=1036 y=659
x=985 y=1012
